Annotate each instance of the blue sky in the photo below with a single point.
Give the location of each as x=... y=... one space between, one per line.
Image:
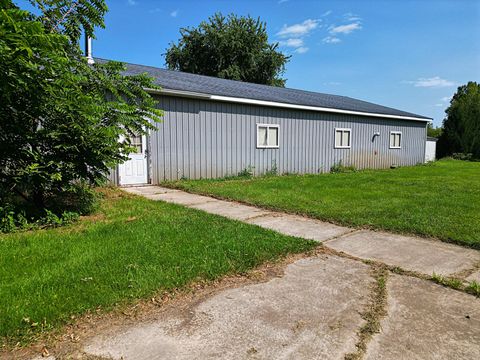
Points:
x=409 y=55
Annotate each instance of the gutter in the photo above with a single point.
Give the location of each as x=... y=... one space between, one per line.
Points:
x=237 y=100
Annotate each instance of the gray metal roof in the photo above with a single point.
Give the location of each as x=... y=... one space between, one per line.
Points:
x=177 y=80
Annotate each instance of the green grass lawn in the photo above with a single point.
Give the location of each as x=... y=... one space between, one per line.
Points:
x=131 y=249
x=440 y=200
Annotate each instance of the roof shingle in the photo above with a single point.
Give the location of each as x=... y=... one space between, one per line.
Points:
x=176 y=80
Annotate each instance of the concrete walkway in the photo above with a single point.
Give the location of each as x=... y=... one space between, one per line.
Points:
x=409 y=253
x=317 y=308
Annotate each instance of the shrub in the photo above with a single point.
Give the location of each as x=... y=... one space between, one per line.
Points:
x=78 y=197
x=63 y=207
x=12 y=222
x=462 y=156
x=53 y=220
x=7 y=219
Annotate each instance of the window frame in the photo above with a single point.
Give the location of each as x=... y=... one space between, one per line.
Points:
x=349 y=138
x=276 y=126
x=390 y=139
x=137 y=144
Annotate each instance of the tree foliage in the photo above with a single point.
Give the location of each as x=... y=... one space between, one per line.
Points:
x=461 y=127
x=433 y=131
x=61 y=119
x=233 y=47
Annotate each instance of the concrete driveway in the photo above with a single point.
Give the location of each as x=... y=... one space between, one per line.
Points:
x=364 y=295
x=316 y=310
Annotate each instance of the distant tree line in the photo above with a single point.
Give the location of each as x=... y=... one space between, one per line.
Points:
x=460 y=131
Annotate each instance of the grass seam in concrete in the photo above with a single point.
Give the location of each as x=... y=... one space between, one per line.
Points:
x=467 y=272
x=470 y=288
x=375 y=312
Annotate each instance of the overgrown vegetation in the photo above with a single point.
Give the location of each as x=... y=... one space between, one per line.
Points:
x=130 y=249
x=453 y=283
x=471 y=287
x=340 y=168
x=60 y=118
x=373 y=314
x=273 y=171
x=248 y=172
x=463 y=156
x=229 y=47
x=440 y=200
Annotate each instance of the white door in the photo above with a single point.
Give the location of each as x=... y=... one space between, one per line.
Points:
x=134 y=171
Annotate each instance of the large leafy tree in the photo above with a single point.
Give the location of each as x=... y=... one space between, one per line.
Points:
x=233 y=47
x=60 y=118
x=461 y=127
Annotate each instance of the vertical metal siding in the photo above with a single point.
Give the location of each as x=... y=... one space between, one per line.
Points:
x=208 y=139
x=112 y=176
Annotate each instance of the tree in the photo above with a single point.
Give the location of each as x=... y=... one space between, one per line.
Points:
x=433 y=131
x=233 y=47
x=61 y=119
x=461 y=127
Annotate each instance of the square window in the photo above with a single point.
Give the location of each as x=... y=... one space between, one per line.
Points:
x=343 y=138
x=137 y=143
x=395 y=140
x=267 y=136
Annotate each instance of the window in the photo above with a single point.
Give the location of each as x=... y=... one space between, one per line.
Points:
x=267 y=136
x=395 y=139
x=136 y=142
x=343 y=138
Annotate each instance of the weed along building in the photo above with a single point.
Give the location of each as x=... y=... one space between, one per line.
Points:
x=214 y=127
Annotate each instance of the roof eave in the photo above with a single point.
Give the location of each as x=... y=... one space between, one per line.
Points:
x=239 y=100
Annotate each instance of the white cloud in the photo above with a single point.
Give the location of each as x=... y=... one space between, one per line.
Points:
x=174 y=13
x=326 y=13
x=301 y=50
x=331 y=40
x=333 y=83
x=291 y=42
x=433 y=82
x=345 y=29
x=439 y=105
x=446 y=98
x=352 y=17
x=300 y=29
x=132 y=2
x=295 y=43
x=156 y=10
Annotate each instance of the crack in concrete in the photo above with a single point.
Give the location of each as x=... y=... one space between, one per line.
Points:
x=351 y=232
x=195 y=203
x=257 y=217
x=461 y=275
